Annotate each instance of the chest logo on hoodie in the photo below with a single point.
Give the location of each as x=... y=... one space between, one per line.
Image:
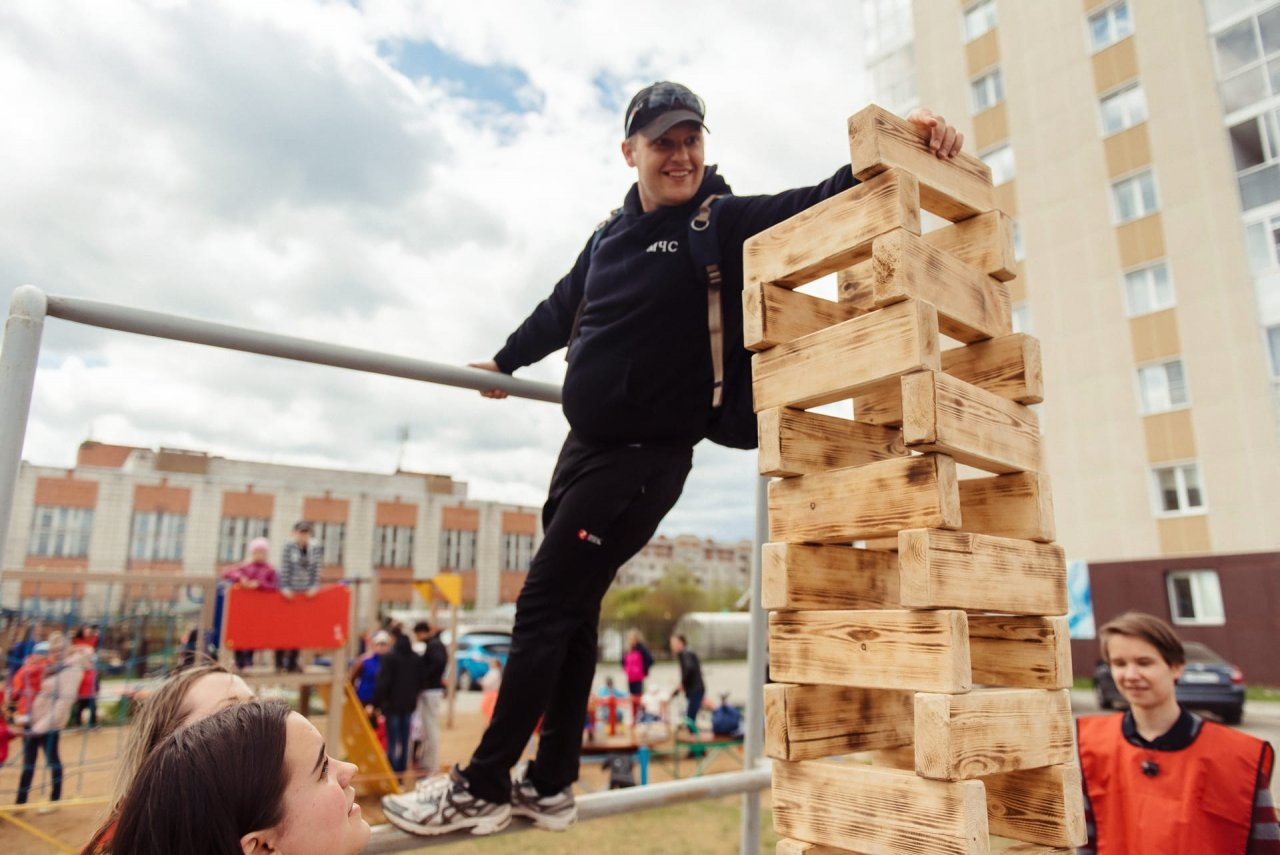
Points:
x=664 y=246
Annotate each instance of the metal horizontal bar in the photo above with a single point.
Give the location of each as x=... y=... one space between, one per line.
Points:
x=387 y=838
x=179 y=328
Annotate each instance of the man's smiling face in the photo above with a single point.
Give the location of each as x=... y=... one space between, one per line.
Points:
x=669 y=168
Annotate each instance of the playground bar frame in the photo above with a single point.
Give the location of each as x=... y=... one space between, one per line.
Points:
x=20 y=352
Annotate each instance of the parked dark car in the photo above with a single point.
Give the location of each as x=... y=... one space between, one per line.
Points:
x=474 y=652
x=1208 y=683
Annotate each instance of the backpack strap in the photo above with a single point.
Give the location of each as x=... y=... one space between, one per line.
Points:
x=706 y=258
x=601 y=231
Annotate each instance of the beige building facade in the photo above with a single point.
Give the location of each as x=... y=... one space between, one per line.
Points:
x=1137 y=145
x=1107 y=127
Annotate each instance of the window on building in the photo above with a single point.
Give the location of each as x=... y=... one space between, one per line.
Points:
x=1195 y=597
x=1110 y=25
x=1134 y=197
x=893 y=80
x=234 y=534
x=331 y=538
x=157 y=536
x=1022 y=317
x=1178 y=489
x=517 y=551
x=58 y=532
x=986 y=90
x=1247 y=54
x=1263 y=241
x=1273 y=350
x=1148 y=289
x=1255 y=149
x=1162 y=387
x=979 y=18
x=1123 y=109
x=1221 y=10
x=1018 y=253
x=393 y=546
x=1001 y=162
x=457 y=549
x=887 y=25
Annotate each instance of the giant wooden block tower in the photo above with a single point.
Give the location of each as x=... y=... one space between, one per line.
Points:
x=939 y=644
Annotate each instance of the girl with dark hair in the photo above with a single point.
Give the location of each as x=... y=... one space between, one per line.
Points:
x=252 y=778
x=186 y=697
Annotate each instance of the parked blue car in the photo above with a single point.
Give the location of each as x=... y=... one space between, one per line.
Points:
x=474 y=652
x=1208 y=683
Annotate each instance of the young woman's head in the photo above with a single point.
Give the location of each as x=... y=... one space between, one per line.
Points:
x=1146 y=659
x=250 y=779
x=634 y=637
x=187 y=696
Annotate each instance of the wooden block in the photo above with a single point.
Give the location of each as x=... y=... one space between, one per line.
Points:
x=881 y=544
x=953 y=189
x=984 y=242
x=1008 y=366
x=878 y=811
x=772 y=315
x=875 y=500
x=796 y=847
x=834 y=233
x=856 y=287
x=1038 y=806
x=796 y=442
x=1026 y=652
x=903 y=757
x=923 y=651
x=810 y=722
x=1034 y=849
x=1016 y=505
x=836 y=362
x=798 y=577
x=959 y=737
x=943 y=414
x=957 y=570
x=971 y=305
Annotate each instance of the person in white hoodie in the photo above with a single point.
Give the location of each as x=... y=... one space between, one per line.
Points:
x=59 y=687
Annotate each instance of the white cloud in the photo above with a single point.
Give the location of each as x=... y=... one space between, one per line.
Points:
x=266 y=164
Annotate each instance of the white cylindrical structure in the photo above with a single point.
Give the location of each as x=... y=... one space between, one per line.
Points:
x=757 y=651
x=19 y=353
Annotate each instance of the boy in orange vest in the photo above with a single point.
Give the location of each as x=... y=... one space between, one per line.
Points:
x=1158 y=779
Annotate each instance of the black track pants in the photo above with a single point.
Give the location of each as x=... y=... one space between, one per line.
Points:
x=604 y=505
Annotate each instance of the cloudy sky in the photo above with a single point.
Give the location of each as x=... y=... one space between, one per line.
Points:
x=411 y=177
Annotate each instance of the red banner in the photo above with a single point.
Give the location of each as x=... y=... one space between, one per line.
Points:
x=256 y=620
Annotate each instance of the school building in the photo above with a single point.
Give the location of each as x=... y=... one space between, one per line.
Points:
x=1136 y=144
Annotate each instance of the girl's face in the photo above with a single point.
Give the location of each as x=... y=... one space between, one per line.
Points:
x=211 y=693
x=320 y=809
x=1140 y=672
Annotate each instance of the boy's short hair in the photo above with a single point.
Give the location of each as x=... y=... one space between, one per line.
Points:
x=1150 y=629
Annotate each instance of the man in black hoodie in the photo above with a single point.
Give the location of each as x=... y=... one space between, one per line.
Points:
x=638 y=396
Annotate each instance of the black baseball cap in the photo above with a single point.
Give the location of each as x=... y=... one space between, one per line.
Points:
x=661 y=106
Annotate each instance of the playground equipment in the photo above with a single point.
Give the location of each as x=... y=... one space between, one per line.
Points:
x=29 y=308
x=957 y=583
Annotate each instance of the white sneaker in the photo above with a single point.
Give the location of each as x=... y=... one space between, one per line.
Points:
x=554 y=813
x=442 y=804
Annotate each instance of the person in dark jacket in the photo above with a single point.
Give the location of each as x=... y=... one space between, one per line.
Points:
x=638 y=395
x=690 y=679
x=400 y=679
x=435 y=659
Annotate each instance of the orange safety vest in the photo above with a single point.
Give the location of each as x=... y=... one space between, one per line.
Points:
x=1199 y=799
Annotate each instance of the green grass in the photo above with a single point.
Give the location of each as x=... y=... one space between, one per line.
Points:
x=1262 y=693
x=697 y=828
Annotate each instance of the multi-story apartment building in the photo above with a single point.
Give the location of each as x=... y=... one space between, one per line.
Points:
x=715 y=565
x=189 y=514
x=1137 y=145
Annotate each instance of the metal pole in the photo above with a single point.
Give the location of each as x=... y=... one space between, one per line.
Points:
x=178 y=328
x=757 y=651
x=18 y=355
x=597 y=805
